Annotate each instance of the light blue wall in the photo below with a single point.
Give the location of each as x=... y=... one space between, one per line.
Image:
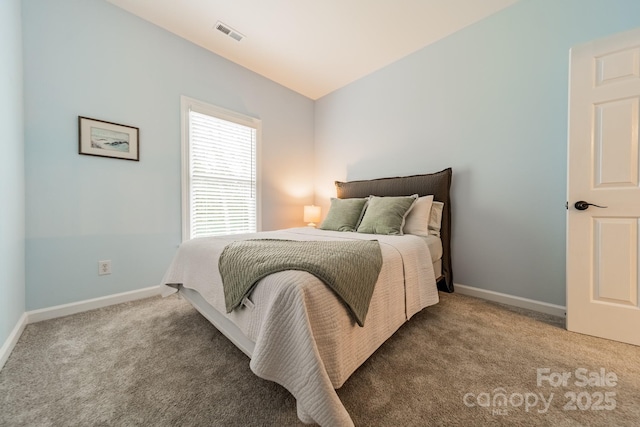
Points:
x=12 y=270
x=90 y=58
x=491 y=102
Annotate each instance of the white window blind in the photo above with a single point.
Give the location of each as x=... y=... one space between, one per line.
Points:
x=222 y=175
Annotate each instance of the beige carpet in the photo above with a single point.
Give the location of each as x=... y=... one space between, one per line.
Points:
x=157 y=362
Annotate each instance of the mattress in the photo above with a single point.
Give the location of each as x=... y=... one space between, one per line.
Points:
x=435 y=247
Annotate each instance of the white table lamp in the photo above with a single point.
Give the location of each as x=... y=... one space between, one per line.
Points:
x=312 y=215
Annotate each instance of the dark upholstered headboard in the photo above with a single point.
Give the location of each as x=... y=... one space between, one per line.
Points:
x=438 y=184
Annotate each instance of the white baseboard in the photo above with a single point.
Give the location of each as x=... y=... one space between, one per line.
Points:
x=12 y=340
x=542 y=307
x=90 y=304
x=67 y=309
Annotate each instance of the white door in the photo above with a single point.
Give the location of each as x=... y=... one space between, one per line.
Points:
x=602 y=243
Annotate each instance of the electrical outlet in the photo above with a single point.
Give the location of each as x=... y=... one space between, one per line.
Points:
x=104 y=267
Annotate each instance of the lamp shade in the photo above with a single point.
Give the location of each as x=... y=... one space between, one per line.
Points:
x=312 y=215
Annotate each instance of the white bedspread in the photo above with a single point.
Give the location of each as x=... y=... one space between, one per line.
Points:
x=304 y=337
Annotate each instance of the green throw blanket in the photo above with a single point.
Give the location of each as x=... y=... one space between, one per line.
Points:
x=350 y=268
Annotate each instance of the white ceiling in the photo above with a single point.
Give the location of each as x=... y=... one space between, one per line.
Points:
x=314 y=46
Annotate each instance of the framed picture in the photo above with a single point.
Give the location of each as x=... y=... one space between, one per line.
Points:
x=106 y=139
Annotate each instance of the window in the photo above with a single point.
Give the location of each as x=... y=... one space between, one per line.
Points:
x=219 y=171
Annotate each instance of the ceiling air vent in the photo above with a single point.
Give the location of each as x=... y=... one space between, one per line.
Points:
x=227 y=30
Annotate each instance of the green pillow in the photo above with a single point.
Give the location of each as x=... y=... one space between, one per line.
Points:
x=343 y=215
x=386 y=215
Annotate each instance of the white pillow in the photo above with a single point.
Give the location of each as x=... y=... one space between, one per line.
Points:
x=435 y=219
x=417 y=222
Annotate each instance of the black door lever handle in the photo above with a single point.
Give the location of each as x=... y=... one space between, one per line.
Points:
x=582 y=205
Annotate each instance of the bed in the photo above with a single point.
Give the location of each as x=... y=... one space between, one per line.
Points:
x=295 y=329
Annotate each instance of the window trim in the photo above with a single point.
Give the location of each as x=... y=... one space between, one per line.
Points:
x=190 y=104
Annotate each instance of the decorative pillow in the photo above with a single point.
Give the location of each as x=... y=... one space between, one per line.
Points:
x=386 y=215
x=417 y=221
x=344 y=214
x=435 y=219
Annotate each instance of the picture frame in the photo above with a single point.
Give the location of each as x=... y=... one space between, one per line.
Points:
x=107 y=139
